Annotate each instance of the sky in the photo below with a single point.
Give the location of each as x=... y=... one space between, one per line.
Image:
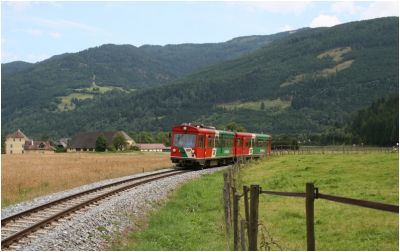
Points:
x=34 y=31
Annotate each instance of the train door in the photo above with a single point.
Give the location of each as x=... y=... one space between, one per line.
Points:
x=251 y=146
x=218 y=146
x=210 y=149
x=201 y=146
x=238 y=146
x=246 y=146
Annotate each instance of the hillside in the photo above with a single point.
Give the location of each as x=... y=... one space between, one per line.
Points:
x=379 y=123
x=125 y=66
x=302 y=83
x=15 y=67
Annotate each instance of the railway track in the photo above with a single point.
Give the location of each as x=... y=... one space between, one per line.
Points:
x=20 y=228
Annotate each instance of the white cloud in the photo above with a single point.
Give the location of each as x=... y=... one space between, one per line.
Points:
x=35 y=32
x=19 y=5
x=287 y=28
x=64 y=24
x=381 y=9
x=55 y=35
x=283 y=7
x=55 y=4
x=345 y=7
x=324 y=21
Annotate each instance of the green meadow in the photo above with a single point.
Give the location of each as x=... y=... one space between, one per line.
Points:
x=192 y=219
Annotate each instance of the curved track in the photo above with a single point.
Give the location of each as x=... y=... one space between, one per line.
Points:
x=21 y=227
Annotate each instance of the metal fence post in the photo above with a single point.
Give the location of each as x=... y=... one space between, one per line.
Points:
x=253 y=221
x=310 y=216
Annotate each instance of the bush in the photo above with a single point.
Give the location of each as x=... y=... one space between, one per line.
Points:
x=111 y=148
x=134 y=148
x=101 y=143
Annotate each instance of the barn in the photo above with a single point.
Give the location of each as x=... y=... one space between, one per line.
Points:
x=87 y=141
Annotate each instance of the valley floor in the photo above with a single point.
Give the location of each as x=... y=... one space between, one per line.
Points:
x=24 y=177
x=193 y=218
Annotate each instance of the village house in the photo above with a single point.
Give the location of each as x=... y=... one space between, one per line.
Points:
x=19 y=143
x=87 y=141
x=156 y=147
x=15 y=142
x=42 y=147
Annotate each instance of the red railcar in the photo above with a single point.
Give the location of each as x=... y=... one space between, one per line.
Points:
x=197 y=145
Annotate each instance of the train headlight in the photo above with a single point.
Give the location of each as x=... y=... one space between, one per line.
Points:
x=173 y=150
x=184 y=128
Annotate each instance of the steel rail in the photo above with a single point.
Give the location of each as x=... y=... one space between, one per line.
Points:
x=57 y=201
x=15 y=237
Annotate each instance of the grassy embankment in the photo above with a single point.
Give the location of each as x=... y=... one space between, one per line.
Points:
x=193 y=218
x=24 y=177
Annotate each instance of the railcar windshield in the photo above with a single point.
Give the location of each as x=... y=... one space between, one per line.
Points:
x=185 y=140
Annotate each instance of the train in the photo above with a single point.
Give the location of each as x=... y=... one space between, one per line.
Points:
x=199 y=146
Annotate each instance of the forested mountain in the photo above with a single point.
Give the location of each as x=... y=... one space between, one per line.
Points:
x=379 y=123
x=15 y=67
x=126 y=66
x=302 y=83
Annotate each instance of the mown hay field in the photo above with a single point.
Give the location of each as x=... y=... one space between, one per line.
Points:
x=24 y=177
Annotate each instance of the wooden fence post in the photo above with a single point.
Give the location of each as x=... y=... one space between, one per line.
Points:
x=226 y=192
x=253 y=230
x=230 y=196
x=243 y=235
x=246 y=209
x=310 y=216
x=236 y=199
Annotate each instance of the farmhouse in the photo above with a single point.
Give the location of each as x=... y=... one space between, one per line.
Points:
x=42 y=147
x=19 y=143
x=15 y=142
x=157 y=147
x=87 y=141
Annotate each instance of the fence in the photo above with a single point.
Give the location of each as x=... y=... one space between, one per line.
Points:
x=336 y=149
x=251 y=203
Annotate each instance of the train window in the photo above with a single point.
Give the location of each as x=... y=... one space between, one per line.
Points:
x=252 y=142
x=263 y=143
x=221 y=142
x=238 y=142
x=224 y=143
x=201 y=141
x=211 y=140
x=184 y=140
x=247 y=143
x=230 y=142
x=217 y=142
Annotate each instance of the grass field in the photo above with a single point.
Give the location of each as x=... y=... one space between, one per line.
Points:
x=192 y=220
x=99 y=89
x=276 y=104
x=24 y=177
x=195 y=210
x=372 y=176
x=66 y=103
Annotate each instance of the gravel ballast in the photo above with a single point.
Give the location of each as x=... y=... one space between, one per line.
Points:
x=93 y=229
